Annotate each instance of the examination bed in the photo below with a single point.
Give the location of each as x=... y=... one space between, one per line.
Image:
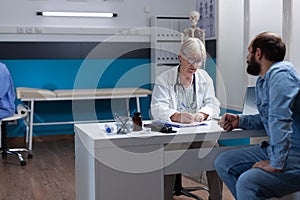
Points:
x=31 y=95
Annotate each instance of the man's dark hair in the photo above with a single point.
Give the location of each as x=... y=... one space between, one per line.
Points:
x=271 y=46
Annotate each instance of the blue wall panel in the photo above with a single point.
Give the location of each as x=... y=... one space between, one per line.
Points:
x=65 y=74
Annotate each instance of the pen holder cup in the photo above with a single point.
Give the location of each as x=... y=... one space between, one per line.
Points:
x=124 y=124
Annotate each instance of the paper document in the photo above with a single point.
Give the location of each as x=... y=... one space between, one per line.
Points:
x=181 y=125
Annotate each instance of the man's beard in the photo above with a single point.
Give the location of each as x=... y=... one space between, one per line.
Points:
x=253 y=67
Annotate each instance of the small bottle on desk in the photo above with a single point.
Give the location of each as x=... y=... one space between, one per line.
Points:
x=109 y=129
x=137 y=121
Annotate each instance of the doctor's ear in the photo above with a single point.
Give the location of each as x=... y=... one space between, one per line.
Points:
x=179 y=58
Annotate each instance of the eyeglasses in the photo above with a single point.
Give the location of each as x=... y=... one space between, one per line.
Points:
x=192 y=61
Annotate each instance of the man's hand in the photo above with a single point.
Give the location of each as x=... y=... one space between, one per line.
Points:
x=265 y=165
x=182 y=117
x=229 y=121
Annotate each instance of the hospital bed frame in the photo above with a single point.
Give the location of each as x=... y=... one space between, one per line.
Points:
x=32 y=95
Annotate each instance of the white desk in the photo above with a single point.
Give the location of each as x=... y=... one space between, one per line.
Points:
x=31 y=95
x=132 y=166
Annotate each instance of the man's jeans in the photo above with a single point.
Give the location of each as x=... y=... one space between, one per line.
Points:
x=235 y=168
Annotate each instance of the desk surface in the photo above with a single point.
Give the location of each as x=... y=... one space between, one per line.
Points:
x=96 y=133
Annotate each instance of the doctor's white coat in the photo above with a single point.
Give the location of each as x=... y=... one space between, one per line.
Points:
x=164 y=98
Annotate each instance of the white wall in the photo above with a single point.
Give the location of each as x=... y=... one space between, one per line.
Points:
x=19 y=16
x=293 y=32
x=239 y=22
x=266 y=15
x=230 y=57
x=131 y=13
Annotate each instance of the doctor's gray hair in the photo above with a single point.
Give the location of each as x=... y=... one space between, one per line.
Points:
x=194 y=45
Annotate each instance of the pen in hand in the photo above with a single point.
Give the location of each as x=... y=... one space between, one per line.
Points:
x=184 y=106
x=217 y=118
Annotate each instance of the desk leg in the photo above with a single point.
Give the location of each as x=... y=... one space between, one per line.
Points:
x=97 y=180
x=112 y=184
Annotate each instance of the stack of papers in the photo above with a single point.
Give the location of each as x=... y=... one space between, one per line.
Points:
x=181 y=125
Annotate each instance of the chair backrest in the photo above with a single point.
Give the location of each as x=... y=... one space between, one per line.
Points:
x=249 y=106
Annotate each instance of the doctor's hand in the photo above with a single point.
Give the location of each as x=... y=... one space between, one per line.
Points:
x=182 y=117
x=229 y=121
x=199 y=117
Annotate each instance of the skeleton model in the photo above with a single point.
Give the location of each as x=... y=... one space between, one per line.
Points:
x=194 y=30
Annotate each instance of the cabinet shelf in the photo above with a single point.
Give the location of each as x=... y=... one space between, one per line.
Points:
x=166 y=42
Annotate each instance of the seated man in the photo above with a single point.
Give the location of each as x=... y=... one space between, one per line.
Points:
x=186 y=94
x=7 y=93
x=271 y=169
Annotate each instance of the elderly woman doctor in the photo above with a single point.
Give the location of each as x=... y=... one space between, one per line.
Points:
x=186 y=94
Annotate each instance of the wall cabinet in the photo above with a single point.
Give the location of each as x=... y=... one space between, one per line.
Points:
x=166 y=38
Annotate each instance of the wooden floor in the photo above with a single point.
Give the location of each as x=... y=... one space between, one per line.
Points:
x=51 y=175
